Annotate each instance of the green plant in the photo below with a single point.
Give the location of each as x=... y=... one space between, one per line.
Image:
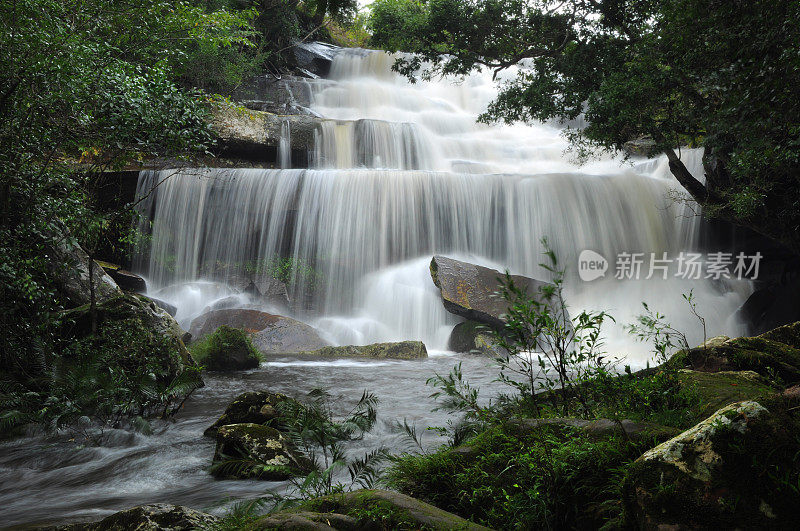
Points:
x=216 y=350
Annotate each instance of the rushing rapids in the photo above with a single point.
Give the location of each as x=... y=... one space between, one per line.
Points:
x=401 y=171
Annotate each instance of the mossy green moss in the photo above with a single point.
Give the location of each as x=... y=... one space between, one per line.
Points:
x=227 y=349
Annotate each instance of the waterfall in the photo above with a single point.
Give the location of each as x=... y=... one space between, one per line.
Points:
x=285 y=146
x=404 y=171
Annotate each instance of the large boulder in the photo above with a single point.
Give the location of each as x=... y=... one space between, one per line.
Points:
x=732 y=470
x=244 y=319
x=288 y=336
x=125 y=279
x=471 y=291
x=254 y=451
x=773 y=354
x=257 y=407
x=365 y=509
x=69 y=265
x=404 y=350
x=717 y=389
x=154 y=517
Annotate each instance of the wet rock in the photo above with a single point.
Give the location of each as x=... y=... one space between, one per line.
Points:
x=404 y=350
x=474 y=338
x=773 y=354
x=244 y=319
x=288 y=336
x=272 y=290
x=164 y=305
x=471 y=291
x=227 y=349
x=154 y=517
x=714 y=475
x=126 y=280
x=314 y=58
x=257 y=407
x=371 y=509
x=285 y=95
x=253 y=451
x=69 y=265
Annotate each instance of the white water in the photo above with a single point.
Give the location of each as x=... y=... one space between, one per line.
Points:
x=404 y=171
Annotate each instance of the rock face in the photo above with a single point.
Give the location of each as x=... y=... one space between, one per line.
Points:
x=253 y=451
x=257 y=407
x=256 y=135
x=366 y=509
x=404 y=350
x=69 y=265
x=774 y=353
x=470 y=290
x=474 y=338
x=155 y=517
x=716 y=475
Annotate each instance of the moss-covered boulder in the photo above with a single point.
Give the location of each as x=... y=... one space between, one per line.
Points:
x=257 y=407
x=714 y=390
x=474 y=338
x=739 y=468
x=154 y=517
x=253 y=451
x=366 y=509
x=774 y=354
x=403 y=350
x=227 y=349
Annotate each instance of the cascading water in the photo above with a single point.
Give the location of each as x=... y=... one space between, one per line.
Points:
x=403 y=171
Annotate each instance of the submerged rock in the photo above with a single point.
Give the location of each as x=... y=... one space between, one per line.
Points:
x=366 y=509
x=471 y=291
x=257 y=407
x=253 y=451
x=154 y=517
x=475 y=338
x=404 y=350
x=726 y=472
x=773 y=354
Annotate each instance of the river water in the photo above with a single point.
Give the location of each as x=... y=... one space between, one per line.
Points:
x=398 y=172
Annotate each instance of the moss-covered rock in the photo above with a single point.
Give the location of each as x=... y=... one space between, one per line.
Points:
x=227 y=349
x=737 y=469
x=717 y=389
x=774 y=354
x=366 y=509
x=258 y=407
x=154 y=517
x=253 y=451
x=474 y=338
x=404 y=350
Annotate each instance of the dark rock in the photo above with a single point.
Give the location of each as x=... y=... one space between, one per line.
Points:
x=258 y=407
x=248 y=320
x=773 y=354
x=373 y=509
x=474 y=338
x=126 y=280
x=164 y=305
x=714 y=475
x=285 y=95
x=272 y=290
x=404 y=350
x=642 y=146
x=314 y=58
x=154 y=517
x=253 y=451
x=471 y=291
x=287 y=336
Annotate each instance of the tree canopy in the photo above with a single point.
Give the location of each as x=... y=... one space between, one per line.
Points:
x=718 y=74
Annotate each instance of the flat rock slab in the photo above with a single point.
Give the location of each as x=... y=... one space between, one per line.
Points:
x=404 y=350
x=472 y=291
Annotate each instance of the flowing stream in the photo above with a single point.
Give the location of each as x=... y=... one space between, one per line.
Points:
x=398 y=172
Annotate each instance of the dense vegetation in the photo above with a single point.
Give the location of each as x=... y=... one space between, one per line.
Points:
x=713 y=73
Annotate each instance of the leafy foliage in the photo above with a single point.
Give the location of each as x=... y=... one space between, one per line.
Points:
x=212 y=351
